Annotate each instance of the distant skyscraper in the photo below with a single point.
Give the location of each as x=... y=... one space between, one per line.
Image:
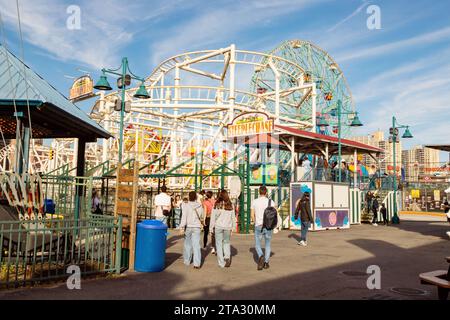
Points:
x=420 y=162
x=377 y=139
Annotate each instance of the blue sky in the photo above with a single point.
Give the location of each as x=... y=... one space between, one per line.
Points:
x=402 y=68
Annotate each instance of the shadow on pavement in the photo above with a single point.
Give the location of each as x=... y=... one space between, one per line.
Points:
x=318 y=272
x=428 y=228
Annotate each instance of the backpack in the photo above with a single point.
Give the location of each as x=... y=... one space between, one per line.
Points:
x=270 y=217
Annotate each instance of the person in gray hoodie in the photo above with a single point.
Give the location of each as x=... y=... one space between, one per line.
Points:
x=191 y=226
x=223 y=221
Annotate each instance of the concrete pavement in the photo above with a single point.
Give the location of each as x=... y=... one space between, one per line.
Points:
x=333 y=266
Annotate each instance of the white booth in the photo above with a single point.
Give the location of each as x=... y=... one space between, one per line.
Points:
x=330 y=205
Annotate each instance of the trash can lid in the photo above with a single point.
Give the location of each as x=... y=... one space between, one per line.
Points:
x=152 y=224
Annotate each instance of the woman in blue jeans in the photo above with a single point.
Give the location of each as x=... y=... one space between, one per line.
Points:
x=304 y=210
x=223 y=220
x=191 y=219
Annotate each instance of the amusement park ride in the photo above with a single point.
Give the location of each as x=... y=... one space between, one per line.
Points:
x=175 y=123
x=213 y=119
x=193 y=96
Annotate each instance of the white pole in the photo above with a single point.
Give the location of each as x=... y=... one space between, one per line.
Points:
x=75 y=155
x=355 y=163
x=277 y=98
x=313 y=116
x=162 y=98
x=277 y=91
x=293 y=159
x=232 y=97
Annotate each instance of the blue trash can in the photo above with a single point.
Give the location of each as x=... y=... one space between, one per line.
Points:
x=150 y=246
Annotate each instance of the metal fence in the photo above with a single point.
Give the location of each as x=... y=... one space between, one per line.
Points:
x=40 y=251
x=62 y=189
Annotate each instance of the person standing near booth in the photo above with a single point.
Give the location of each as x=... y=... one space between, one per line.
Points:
x=191 y=227
x=375 y=207
x=307 y=169
x=319 y=168
x=304 y=210
x=384 y=214
x=163 y=204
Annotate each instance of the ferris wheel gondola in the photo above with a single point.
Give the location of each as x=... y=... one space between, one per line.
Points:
x=319 y=69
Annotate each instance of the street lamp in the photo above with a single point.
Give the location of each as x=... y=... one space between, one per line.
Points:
x=406 y=135
x=123 y=82
x=355 y=123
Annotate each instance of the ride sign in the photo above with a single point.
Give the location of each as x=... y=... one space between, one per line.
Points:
x=82 y=88
x=250 y=123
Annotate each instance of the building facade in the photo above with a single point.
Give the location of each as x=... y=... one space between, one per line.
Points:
x=386 y=160
x=421 y=163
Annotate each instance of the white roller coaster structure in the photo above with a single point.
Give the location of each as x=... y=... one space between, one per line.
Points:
x=193 y=96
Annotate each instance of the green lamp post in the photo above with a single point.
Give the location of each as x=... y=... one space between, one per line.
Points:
x=355 y=123
x=123 y=81
x=406 y=135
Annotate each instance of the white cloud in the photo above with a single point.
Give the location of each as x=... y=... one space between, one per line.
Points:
x=353 y=14
x=440 y=35
x=106 y=28
x=221 y=22
x=417 y=93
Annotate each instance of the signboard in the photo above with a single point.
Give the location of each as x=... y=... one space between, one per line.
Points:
x=250 y=123
x=264 y=174
x=82 y=88
x=415 y=194
x=331 y=218
x=437 y=195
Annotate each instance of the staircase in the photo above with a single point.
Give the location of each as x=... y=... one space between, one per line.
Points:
x=383 y=193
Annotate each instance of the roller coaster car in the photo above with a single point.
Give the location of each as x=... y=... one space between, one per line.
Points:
x=307 y=78
x=261 y=90
x=328 y=96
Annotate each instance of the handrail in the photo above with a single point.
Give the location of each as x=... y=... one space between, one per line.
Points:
x=63 y=167
x=101 y=165
x=153 y=162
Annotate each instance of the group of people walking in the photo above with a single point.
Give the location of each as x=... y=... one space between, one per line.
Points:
x=217 y=218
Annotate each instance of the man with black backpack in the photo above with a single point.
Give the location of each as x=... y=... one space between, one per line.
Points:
x=265 y=218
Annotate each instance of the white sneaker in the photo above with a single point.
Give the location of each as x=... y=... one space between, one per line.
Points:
x=302 y=243
x=448 y=233
x=305 y=243
x=213 y=251
x=374 y=224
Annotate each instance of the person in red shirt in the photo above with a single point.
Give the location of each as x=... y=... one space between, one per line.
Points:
x=208 y=205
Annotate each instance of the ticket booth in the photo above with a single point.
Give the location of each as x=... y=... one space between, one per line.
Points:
x=330 y=205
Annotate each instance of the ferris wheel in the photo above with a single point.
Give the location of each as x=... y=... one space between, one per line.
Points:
x=319 y=68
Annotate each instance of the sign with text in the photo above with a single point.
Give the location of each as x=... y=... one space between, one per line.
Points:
x=250 y=123
x=82 y=88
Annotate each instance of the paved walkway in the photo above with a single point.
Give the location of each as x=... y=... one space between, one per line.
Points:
x=315 y=272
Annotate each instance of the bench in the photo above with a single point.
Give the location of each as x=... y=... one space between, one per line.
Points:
x=439 y=278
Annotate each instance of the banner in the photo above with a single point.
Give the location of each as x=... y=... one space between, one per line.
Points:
x=250 y=123
x=82 y=88
x=264 y=174
x=437 y=195
x=415 y=194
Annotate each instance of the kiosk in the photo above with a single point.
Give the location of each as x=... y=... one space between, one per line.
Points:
x=330 y=205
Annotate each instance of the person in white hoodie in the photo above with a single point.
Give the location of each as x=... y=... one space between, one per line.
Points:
x=223 y=221
x=192 y=221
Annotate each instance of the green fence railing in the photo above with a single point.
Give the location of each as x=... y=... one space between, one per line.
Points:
x=41 y=251
x=62 y=189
